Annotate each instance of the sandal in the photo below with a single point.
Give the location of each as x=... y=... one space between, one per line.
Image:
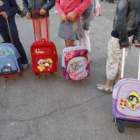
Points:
x=104 y=88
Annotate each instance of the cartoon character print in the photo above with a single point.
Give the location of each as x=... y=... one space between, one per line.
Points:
x=133 y=100
x=122 y=104
x=49 y=63
x=45 y=64
x=75 y=65
x=7 y=68
x=1 y=3
x=41 y=64
x=3 y=52
x=38 y=51
x=77 y=69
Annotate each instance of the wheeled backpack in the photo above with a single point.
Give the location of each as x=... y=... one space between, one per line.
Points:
x=44 y=57
x=75 y=63
x=43 y=54
x=10 y=62
x=126 y=99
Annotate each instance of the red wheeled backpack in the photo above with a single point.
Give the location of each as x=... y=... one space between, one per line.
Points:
x=43 y=54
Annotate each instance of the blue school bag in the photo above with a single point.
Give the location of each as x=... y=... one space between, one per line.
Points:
x=9 y=59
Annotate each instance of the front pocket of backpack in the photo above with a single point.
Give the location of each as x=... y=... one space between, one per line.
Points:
x=76 y=68
x=8 y=66
x=43 y=63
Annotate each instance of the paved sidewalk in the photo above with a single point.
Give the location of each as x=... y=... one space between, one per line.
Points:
x=52 y=108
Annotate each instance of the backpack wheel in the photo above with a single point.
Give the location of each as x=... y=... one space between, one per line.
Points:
x=6 y=79
x=20 y=74
x=39 y=76
x=120 y=125
x=114 y=121
x=14 y=78
x=46 y=76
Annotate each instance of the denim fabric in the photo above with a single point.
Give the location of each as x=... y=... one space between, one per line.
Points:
x=127 y=18
x=37 y=5
x=88 y=16
x=70 y=30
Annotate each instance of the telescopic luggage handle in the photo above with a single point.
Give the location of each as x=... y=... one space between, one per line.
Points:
x=33 y=18
x=9 y=30
x=123 y=63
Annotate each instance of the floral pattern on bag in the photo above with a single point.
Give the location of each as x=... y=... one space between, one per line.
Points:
x=69 y=55
x=75 y=76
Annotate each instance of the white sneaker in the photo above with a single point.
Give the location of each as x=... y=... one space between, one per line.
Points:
x=25 y=66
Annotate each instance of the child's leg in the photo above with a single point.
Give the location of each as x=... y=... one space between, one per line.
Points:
x=69 y=43
x=117 y=78
x=37 y=28
x=4 y=33
x=69 y=31
x=114 y=55
x=16 y=41
x=43 y=23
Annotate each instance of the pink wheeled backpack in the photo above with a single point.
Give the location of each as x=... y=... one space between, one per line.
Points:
x=126 y=99
x=75 y=63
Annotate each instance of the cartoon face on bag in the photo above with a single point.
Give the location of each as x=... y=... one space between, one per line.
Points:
x=122 y=104
x=42 y=62
x=77 y=68
x=133 y=100
x=45 y=63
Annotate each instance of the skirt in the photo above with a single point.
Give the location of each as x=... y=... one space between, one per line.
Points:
x=70 y=30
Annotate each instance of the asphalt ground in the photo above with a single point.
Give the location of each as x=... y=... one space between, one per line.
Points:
x=54 y=109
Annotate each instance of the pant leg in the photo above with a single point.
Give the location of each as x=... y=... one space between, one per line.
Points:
x=4 y=34
x=16 y=41
x=44 y=29
x=114 y=58
x=37 y=28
